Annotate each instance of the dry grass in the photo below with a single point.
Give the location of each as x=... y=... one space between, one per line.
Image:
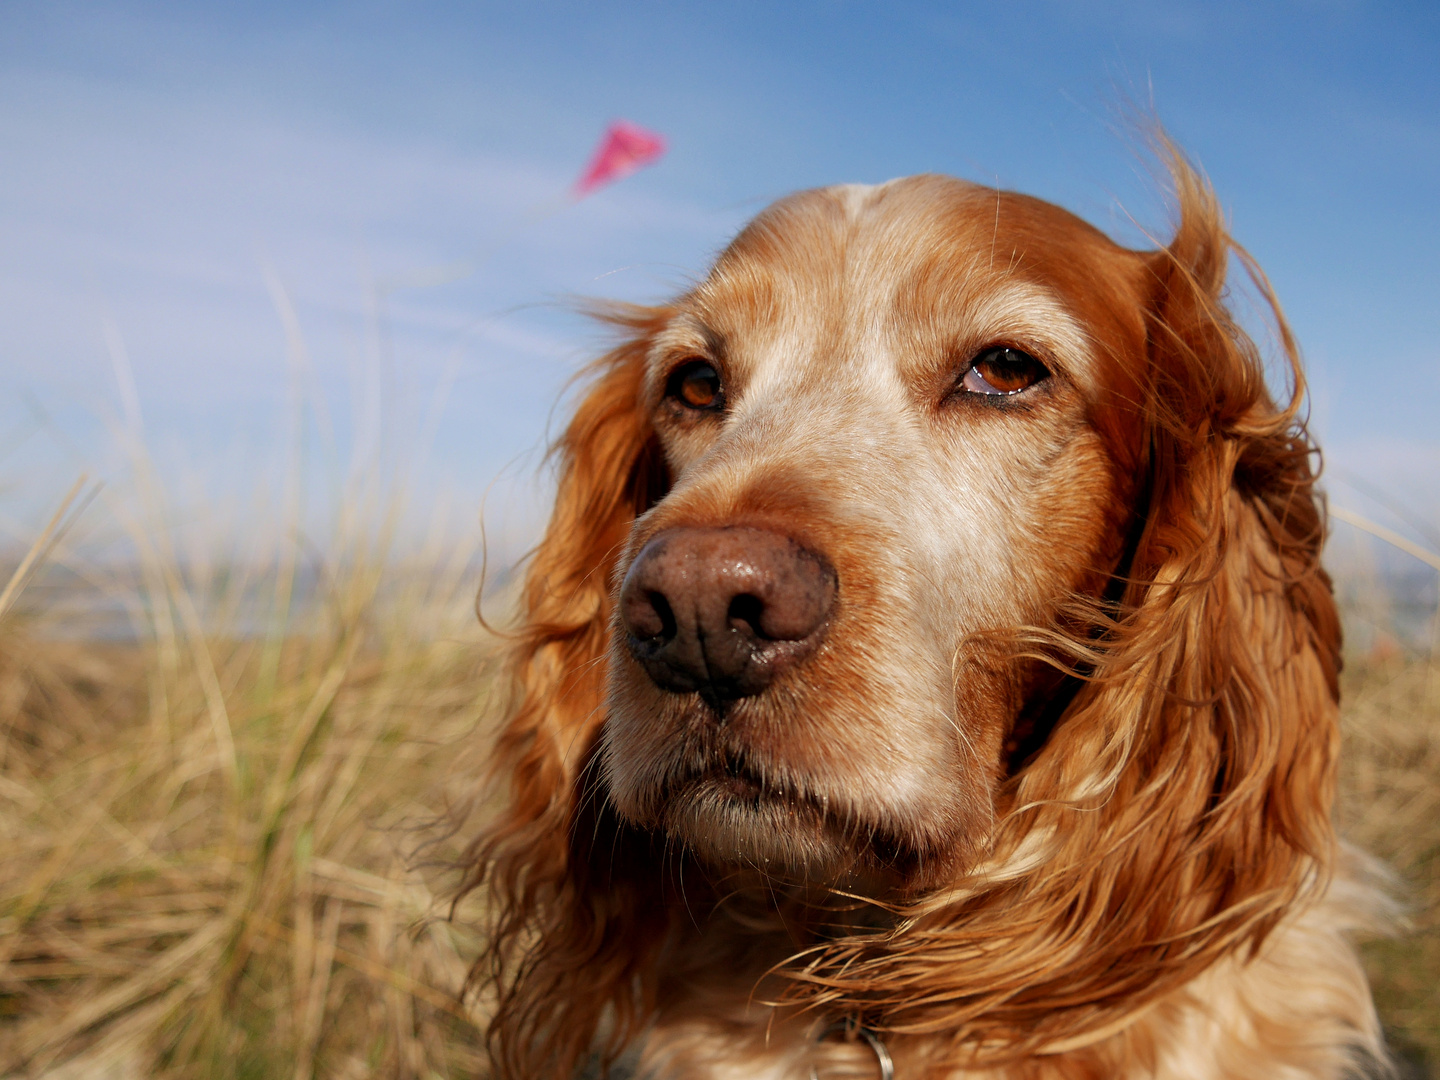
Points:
x=209 y=839
x=1390 y=805
x=210 y=842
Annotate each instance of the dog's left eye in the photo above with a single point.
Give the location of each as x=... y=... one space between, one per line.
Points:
x=1002 y=371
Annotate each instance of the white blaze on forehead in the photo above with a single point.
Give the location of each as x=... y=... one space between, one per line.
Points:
x=855 y=197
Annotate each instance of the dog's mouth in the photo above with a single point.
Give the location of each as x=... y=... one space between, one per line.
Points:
x=734 y=813
x=732 y=777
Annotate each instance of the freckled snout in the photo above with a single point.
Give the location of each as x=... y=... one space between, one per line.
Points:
x=721 y=612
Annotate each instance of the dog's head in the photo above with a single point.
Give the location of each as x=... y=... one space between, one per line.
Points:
x=939 y=548
x=895 y=422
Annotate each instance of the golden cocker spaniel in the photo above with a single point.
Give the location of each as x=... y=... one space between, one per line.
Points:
x=928 y=672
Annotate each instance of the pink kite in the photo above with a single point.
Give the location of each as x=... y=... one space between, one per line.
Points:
x=624 y=149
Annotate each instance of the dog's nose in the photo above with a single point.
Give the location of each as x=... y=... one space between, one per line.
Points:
x=721 y=612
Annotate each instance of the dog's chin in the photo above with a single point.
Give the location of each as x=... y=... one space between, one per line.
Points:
x=731 y=821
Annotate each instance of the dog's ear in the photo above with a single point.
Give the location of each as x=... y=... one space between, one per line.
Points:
x=1227 y=573
x=610 y=470
x=1189 y=786
x=547 y=979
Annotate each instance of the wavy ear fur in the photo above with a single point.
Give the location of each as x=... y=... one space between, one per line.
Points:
x=1181 y=805
x=556 y=960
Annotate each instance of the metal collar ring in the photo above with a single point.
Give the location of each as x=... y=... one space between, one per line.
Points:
x=846 y=1027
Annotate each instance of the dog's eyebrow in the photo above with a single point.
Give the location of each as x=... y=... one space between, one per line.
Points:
x=685 y=331
x=964 y=319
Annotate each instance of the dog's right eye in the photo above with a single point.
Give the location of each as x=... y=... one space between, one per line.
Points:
x=696 y=385
x=1002 y=372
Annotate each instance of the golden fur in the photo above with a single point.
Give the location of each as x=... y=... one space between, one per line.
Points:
x=1053 y=800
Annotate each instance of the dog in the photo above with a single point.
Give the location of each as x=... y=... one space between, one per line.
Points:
x=928 y=672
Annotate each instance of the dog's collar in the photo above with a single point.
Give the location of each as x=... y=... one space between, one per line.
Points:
x=850 y=1029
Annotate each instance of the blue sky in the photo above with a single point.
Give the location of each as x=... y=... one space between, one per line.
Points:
x=167 y=171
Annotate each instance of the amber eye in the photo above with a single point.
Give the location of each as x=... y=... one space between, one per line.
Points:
x=696 y=385
x=1002 y=371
